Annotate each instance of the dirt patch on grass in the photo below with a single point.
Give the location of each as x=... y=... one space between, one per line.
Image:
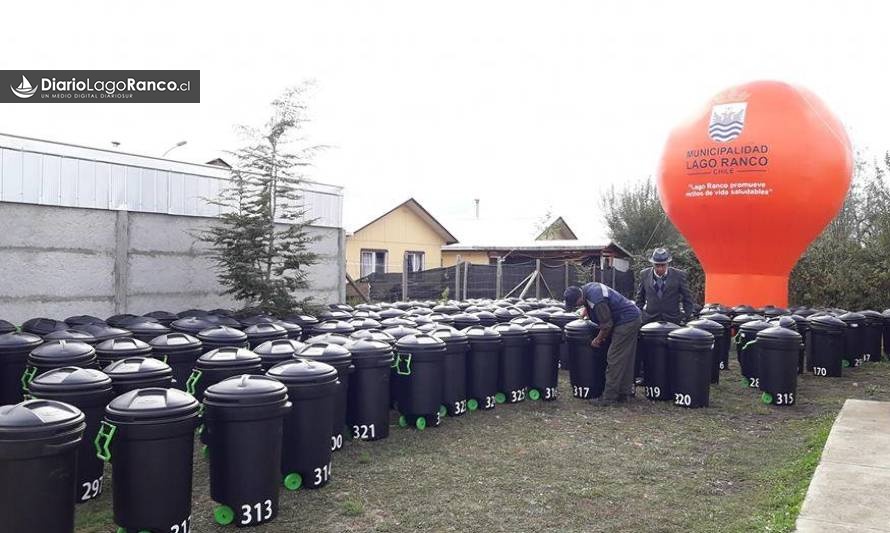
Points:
x=738 y=466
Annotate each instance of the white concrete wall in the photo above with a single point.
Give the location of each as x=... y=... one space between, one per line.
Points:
x=61 y=261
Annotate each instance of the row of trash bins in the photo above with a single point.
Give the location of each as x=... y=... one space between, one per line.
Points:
x=275 y=414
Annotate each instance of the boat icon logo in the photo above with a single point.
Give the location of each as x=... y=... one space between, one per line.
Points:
x=24 y=90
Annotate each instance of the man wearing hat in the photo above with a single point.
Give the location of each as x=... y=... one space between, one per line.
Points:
x=619 y=321
x=662 y=290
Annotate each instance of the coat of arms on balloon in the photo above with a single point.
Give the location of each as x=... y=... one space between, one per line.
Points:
x=727 y=121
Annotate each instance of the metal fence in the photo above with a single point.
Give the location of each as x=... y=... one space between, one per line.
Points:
x=533 y=279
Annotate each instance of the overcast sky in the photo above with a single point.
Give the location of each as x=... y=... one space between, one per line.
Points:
x=528 y=106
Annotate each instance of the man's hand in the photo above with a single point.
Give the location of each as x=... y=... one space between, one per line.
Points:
x=597 y=342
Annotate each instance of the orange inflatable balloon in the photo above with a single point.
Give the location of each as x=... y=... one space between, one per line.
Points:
x=750 y=182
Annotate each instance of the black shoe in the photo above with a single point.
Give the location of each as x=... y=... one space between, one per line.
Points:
x=605 y=402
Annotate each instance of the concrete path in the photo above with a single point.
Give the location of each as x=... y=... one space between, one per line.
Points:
x=850 y=490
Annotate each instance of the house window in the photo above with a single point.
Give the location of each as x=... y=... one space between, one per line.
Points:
x=373 y=262
x=413 y=261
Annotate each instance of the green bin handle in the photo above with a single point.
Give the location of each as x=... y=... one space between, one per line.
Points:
x=28 y=377
x=193 y=379
x=103 y=440
x=162 y=357
x=407 y=361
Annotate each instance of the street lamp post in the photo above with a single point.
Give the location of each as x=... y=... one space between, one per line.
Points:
x=174 y=147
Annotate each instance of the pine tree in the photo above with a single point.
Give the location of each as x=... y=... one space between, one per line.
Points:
x=261 y=246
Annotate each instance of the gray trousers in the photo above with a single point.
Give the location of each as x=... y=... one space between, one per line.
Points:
x=620 y=360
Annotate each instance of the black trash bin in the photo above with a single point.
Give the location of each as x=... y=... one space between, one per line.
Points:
x=337 y=326
x=82 y=320
x=854 y=337
x=874 y=326
x=294 y=331
x=486 y=318
x=545 y=341
x=329 y=338
x=70 y=334
x=690 y=351
x=219 y=336
x=90 y=391
x=193 y=325
x=42 y=326
x=748 y=351
x=397 y=332
x=483 y=361
x=244 y=426
x=514 y=371
x=338 y=357
x=725 y=346
x=219 y=364
x=138 y=373
x=148 y=437
x=656 y=361
x=121 y=320
x=163 y=317
x=825 y=346
x=306 y=446
x=587 y=370
x=14 y=350
x=802 y=326
x=403 y=321
x=506 y=314
x=561 y=319
x=778 y=349
x=454 y=368
x=363 y=323
x=721 y=343
x=373 y=335
x=278 y=351
x=260 y=333
x=307 y=322
x=462 y=321
x=419 y=367
x=367 y=402
x=886 y=331
x=102 y=332
x=113 y=350
x=146 y=331
x=57 y=354
x=39 y=440
x=180 y=351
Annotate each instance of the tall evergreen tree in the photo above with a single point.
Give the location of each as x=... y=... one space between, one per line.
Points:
x=261 y=245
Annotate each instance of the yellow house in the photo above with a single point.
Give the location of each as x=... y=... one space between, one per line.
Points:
x=406 y=236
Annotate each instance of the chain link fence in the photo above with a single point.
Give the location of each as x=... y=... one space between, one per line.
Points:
x=466 y=280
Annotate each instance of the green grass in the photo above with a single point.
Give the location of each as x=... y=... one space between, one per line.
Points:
x=738 y=466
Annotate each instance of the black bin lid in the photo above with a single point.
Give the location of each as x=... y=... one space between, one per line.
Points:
x=420 y=320
x=103 y=333
x=333 y=354
x=784 y=322
x=720 y=318
x=7 y=327
x=738 y=320
x=526 y=321
x=220 y=334
x=482 y=335
x=563 y=318
x=446 y=309
x=70 y=379
x=872 y=317
x=116 y=321
x=82 y=320
x=465 y=318
x=303 y=372
x=431 y=326
x=508 y=312
x=743 y=310
x=137 y=368
x=334 y=314
x=335 y=326
x=754 y=326
x=373 y=334
x=193 y=325
x=543 y=329
x=228 y=357
x=164 y=316
x=140 y=327
x=781 y=335
x=420 y=343
x=19 y=342
x=826 y=323
x=247 y=390
x=331 y=338
x=152 y=404
x=252 y=320
x=126 y=323
x=401 y=331
x=174 y=343
x=368 y=348
x=391 y=313
x=290 y=327
x=449 y=334
x=35 y=420
x=441 y=317
x=70 y=334
x=304 y=321
x=851 y=318
x=714 y=328
x=265 y=331
x=42 y=326
x=698 y=338
x=192 y=313
x=279 y=349
x=771 y=311
x=509 y=329
x=581 y=326
x=366 y=313
x=405 y=320
x=54 y=353
x=658 y=329
x=122 y=347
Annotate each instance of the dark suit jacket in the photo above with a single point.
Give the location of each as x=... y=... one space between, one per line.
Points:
x=668 y=307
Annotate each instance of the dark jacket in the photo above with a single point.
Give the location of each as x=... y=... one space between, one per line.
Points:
x=668 y=306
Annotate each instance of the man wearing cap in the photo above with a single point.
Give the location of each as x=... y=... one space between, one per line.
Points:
x=662 y=290
x=619 y=320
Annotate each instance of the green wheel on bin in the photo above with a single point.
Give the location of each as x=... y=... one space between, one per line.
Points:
x=403 y=422
x=534 y=394
x=845 y=364
x=293 y=481
x=443 y=411
x=420 y=423
x=766 y=398
x=121 y=530
x=224 y=515
x=472 y=404
x=500 y=397
x=205 y=451
x=746 y=383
